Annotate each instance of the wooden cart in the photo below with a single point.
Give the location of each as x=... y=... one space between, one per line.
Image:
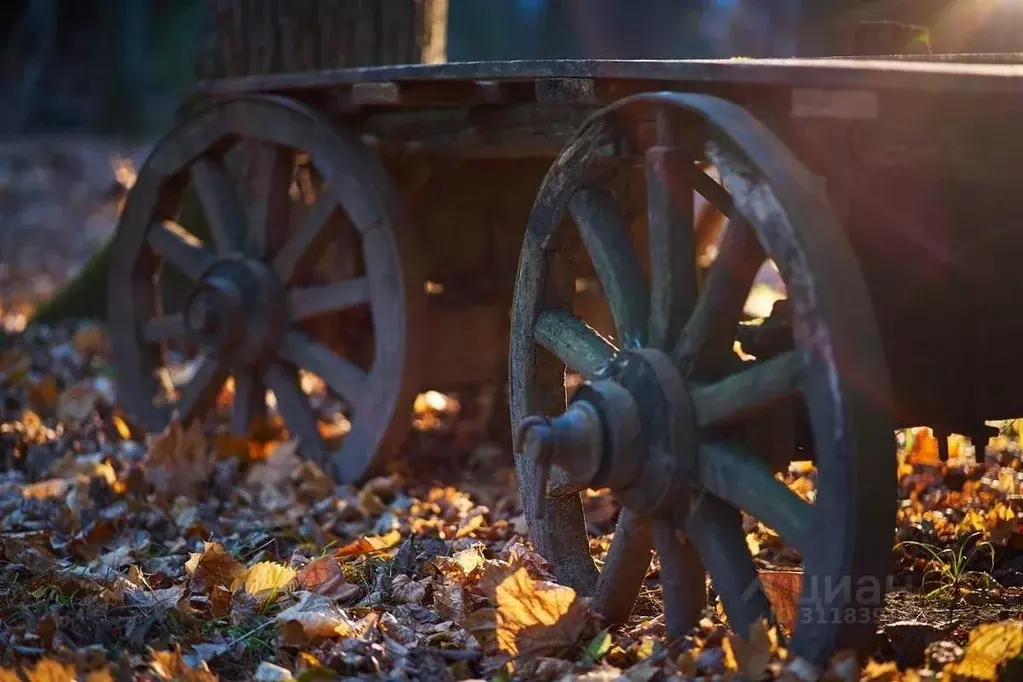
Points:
x=396 y=226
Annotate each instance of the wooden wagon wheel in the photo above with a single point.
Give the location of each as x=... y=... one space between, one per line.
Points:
x=251 y=305
x=661 y=418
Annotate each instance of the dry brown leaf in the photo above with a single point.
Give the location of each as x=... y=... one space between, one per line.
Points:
x=752 y=655
x=43 y=395
x=405 y=590
x=317 y=616
x=324 y=576
x=166 y=598
x=450 y=602
x=369 y=545
x=530 y=618
x=170 y=665
x=178 y=462
x=213 y=567
x=782 y=589
x=78 y=403
x=991 y=646
x=267 y=579
x=461 y=564
x=276 y=470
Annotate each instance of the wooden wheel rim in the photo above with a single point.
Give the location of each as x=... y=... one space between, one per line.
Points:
x=360 y=189
x=855 y=508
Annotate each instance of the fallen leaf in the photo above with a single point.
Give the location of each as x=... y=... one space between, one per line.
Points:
x=405 y=590
x=178 y=462
x=753 y=654
x=317 y=616
x=165 y=598
x=277 y=469
x=48 y=670
x=266 y=579
x=450 y=602
x=782 y=588
x=991 y=646
x=461 y=564
x=369 y=545
x=43 y=395
x=171 y=665
x=324 y=576
x=531 y=617
x=213 y=567
x=268 y=672
x=77 y=403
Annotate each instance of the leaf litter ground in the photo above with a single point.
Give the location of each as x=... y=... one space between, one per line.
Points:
x=190 y=555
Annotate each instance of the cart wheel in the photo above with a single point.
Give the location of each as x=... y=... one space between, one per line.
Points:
x=279 y=187
x=661 y=419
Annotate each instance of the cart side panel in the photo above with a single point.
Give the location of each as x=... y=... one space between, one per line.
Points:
x=929 y=189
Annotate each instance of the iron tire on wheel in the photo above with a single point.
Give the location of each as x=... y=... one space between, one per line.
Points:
x=836 y=367
x=252 y=304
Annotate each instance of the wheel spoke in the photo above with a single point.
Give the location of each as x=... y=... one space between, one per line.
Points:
x=307 y=242
x=306 y=302
x=164 y=328
x=342 y=376
x=758 y=387
x=625 y=568
x=225 y=215
x=606 y=236
x=269 y=221
x=743 y=480
x=706 y=343
x=199 y=394
x=683 y=579
x=715 y=529
x=180 y=248
x=294 y=406
x=249 y=403
x=574 y=342
x=672 y=252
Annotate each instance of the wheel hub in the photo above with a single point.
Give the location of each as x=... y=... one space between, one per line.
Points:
x=237 y=311
x=634 y=433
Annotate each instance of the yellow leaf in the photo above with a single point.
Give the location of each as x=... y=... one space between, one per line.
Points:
x=991 y=646
x=122 y=427
x=266 y=578
x=880 y=672
x=102 y=675
x=170 y=665
x=532 y=617
x=7 y=675
x=48 y=670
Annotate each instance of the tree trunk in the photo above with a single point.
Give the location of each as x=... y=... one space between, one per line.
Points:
x=257 y=37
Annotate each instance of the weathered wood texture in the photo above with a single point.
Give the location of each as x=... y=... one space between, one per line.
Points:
x=256 y=37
